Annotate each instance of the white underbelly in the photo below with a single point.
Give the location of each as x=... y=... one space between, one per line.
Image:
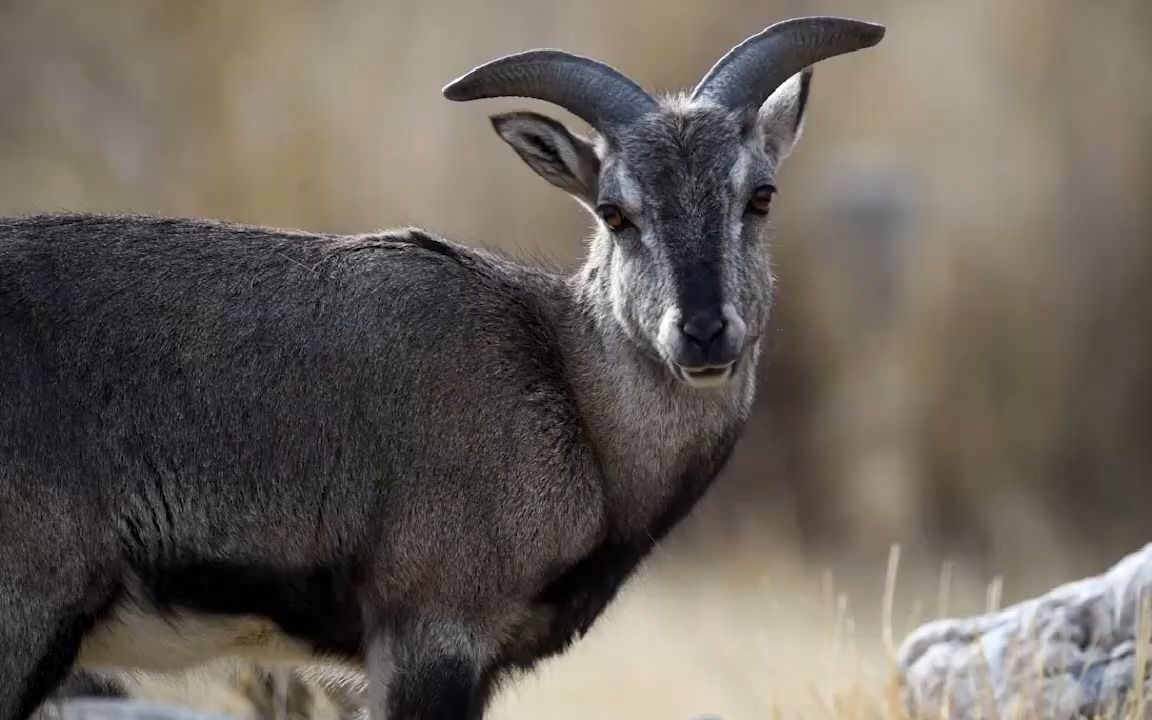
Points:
x=136 y=637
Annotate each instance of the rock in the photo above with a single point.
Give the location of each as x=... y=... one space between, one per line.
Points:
x=1070 y=653
x=130 y=710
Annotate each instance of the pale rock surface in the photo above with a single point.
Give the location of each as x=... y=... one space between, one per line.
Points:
x=1068 y=654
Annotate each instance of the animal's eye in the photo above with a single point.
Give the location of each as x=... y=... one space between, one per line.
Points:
x=613 y=217
x=761 y=200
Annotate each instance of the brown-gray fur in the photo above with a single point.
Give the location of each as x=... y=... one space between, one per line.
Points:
x=385 y=450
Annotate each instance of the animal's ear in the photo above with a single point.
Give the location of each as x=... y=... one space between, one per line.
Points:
x=568 y=162
x=781 y=117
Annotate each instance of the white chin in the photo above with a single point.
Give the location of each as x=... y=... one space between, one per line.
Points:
x=706 y=378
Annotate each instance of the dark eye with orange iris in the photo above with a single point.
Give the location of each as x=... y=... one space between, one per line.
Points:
x=612 y=217
x=761 y=200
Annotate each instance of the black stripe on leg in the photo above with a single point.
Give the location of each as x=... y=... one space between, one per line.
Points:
x=54 y=664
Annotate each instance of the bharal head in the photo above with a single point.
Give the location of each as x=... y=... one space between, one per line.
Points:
x=681 y=185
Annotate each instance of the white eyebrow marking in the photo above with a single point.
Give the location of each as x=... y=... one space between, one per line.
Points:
x=629 y=190
x=739 y=172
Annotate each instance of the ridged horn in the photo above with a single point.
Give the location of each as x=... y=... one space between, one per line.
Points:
x=751 y=71
x=591 y=90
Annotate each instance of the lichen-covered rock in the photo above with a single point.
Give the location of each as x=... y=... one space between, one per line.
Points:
x=1067 y=654
x=110 y=709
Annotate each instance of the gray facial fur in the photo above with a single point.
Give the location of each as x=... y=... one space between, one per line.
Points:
x=682 y=176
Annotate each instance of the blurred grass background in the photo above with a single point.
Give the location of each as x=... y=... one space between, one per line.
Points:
x=962 y=353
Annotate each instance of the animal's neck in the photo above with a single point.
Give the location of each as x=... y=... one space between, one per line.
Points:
x=651 y=431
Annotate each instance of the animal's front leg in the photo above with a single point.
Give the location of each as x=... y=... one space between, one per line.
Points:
x=425 y=669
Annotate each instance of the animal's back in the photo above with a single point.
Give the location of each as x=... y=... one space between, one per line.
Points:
x=227 y=402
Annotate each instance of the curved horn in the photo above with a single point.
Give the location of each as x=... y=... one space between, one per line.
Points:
x=752 y=70
x=597 y=93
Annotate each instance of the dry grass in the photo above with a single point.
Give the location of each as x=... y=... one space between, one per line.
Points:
x=746 y=638
x=775 y=642
x=750 y=638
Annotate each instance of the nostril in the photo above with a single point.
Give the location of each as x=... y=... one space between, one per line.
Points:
x=704 y=327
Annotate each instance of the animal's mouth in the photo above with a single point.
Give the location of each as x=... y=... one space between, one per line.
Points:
x=707 y=376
